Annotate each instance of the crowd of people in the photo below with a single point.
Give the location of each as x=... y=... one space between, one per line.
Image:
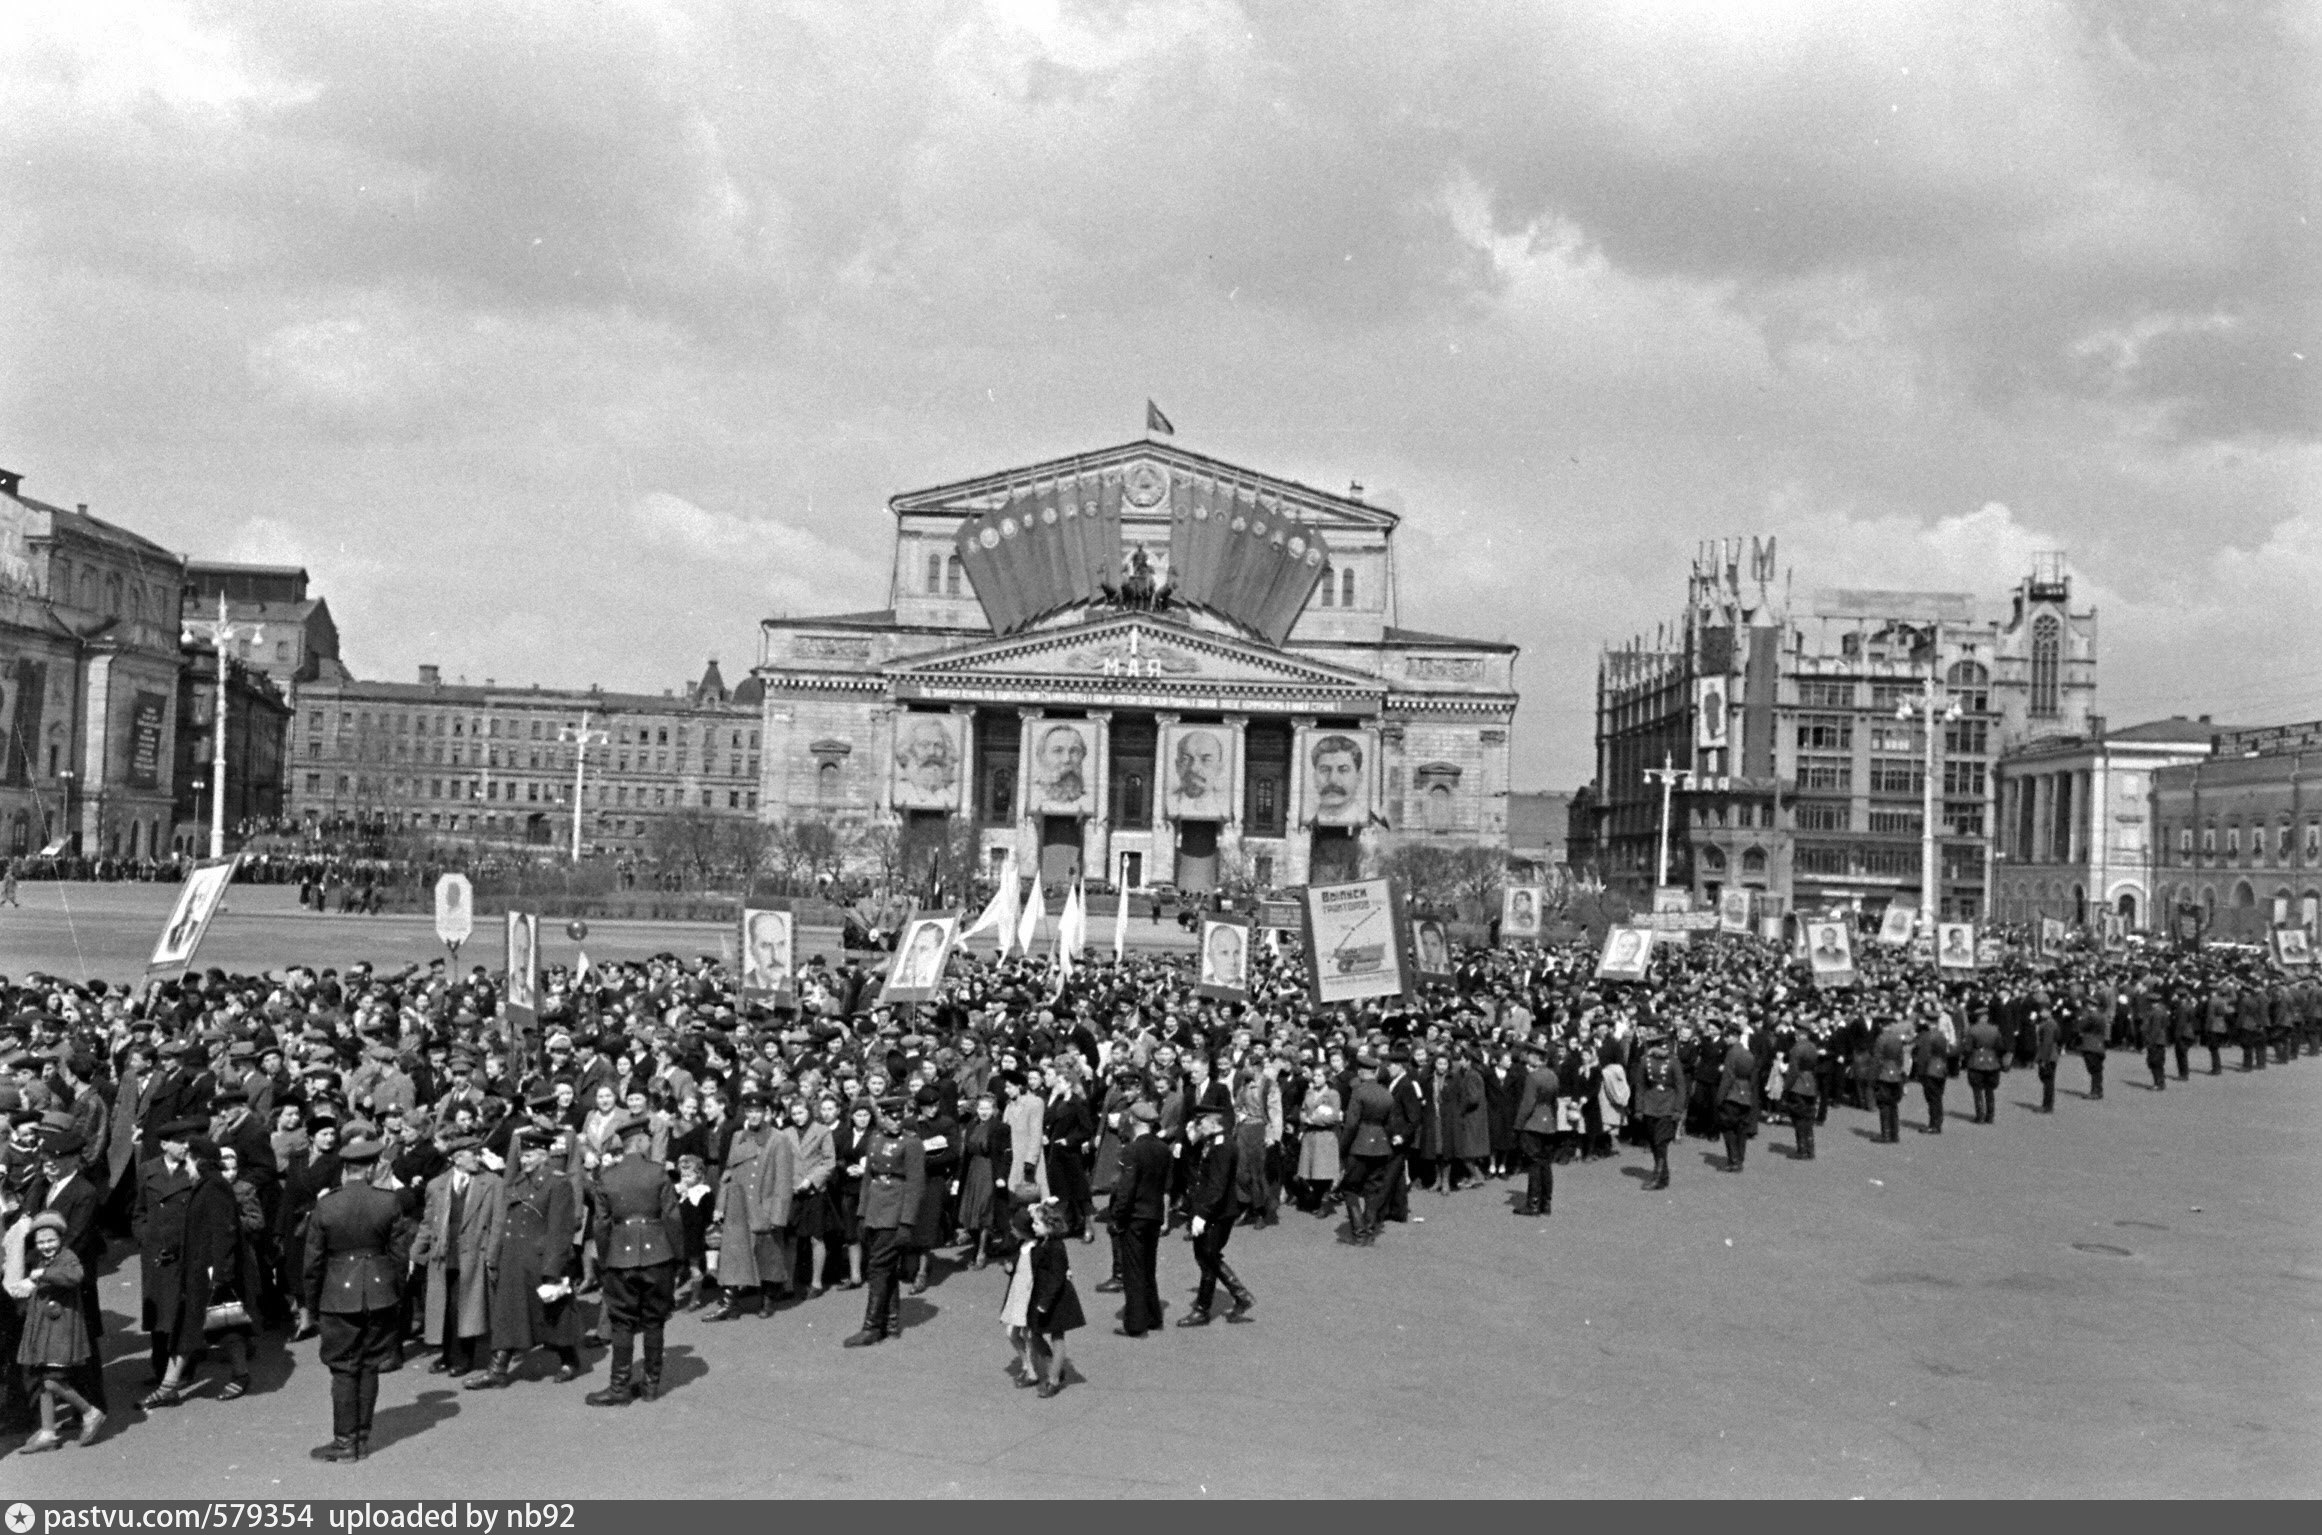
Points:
x=401 y=1165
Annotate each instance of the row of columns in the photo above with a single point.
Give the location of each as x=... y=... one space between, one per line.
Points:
x=2053 y=809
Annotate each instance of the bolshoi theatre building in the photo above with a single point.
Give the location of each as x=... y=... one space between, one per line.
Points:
x=1146 y=665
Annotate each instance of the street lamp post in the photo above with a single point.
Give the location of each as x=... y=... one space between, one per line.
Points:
x=1668 y=775
x=582 y=739
x=1926 y=707
x=221 y=632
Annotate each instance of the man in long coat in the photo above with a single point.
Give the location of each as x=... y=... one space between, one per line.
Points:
x=753 y=1215
x=457 y=1244
x=165 y=1186
x=537 y=1245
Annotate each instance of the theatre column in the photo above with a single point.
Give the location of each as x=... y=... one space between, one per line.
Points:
x=1096 y=833
x=1164 y=856
x=1231 y=855
x=1297 y=836
x=1027 y=831
x=964 y=804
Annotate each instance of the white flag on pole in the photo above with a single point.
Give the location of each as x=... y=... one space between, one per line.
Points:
x=1028 y=922
x=1120 y=925
x=1000 y=912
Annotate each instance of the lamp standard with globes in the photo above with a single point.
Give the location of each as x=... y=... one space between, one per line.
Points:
x=1932 y=705
x=221 y=632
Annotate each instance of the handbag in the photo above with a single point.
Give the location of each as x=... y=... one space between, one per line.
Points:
x=225 y=1316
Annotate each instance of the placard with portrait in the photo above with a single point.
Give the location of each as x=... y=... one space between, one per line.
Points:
x=1339 y=766
x=1063 y=767
x=1199 y=763
x=930 y=750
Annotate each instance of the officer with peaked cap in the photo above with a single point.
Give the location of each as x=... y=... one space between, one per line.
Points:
x=640 y=1239
x=357 y=1246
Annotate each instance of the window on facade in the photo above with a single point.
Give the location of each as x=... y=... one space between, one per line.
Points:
x=951 y=577
x=2283 y=850
x=826 y=780
x=1826 y=693
x=1822 y=815
x=2047 y=664
x=1825 y=732
x=1886 y=695
x=1963 y=820
x=1329 y=589
x=1897 y=775
x=2313 y=840
x=1967 y=737
x=1963 y=777
x=1819 y=858
x=2209 y=840
x=934 y=575
x=1895 y=736
x=1896 y=821
x=1753 y=860
x=2233 y=841
x=1825 y=773
x=1346 y=588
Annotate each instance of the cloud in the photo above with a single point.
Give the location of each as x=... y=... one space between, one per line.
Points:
x=502 y=312
x=794 y=569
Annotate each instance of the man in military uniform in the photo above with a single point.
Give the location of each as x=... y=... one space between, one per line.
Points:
x=1931 y=1066
x=1536 y=1131
x=2094 y=1031
x=1370 y=1152
x=2185 y=1028
x=2047 y=1050
x=358 y=1242
x=1660 y=1099
x=1802 y=1091
x=1984 y=1054
x=1216 y=1203
x=2217 y=1024
x=1737 y=1097
x=2153 y=1027
x=640 y=1236
x=539 y=1218
x=1890 y=1064
x=894 y=1182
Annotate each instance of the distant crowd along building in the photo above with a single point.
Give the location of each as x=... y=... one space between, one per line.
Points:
x=1801 y=783
x=493 y=764
x=1143 y=664
x=2238 y=834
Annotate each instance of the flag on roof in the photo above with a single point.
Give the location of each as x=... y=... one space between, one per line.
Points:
x=1156 y=422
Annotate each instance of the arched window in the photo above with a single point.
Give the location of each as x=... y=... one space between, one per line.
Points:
x=1970 y=686
x=1346 y=588
x=826 y=781
x=113 y=595
x=1439 y=810
x=1329 y=590
x=2244 y=896
x=2047 y=664
x=1754 y=860
x=1713 y=859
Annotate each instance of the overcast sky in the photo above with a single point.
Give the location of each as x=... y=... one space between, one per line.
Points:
x=561 y=342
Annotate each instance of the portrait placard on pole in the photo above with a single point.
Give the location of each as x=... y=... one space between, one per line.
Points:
x=198 y=900
x=1224 y=970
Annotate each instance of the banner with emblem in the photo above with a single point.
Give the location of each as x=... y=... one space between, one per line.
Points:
x=1354 y=942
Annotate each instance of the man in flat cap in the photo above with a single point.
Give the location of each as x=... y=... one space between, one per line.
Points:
x=356 y=1246
x=640 y=1242
x=1140 y=1204
x=456 y=1243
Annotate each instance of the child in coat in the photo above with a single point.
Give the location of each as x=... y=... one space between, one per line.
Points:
x=56 y=1339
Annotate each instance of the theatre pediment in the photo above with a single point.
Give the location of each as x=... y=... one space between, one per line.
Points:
x=1134 y=654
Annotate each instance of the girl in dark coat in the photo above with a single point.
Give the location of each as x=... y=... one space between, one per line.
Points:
x=1069 y=1127
x=983 y=1180
x=1055 y=1305
x=1503 y=1086
x=846 y=1187
x=55 y=1344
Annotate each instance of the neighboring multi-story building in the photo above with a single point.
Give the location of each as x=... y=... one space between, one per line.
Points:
x=495 y=764
x=2238 y=834
x=88 y=682
x=257 y=739
x=1146 y=664
x=2076 y=820
x=1800 y=778
x=299 y=641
